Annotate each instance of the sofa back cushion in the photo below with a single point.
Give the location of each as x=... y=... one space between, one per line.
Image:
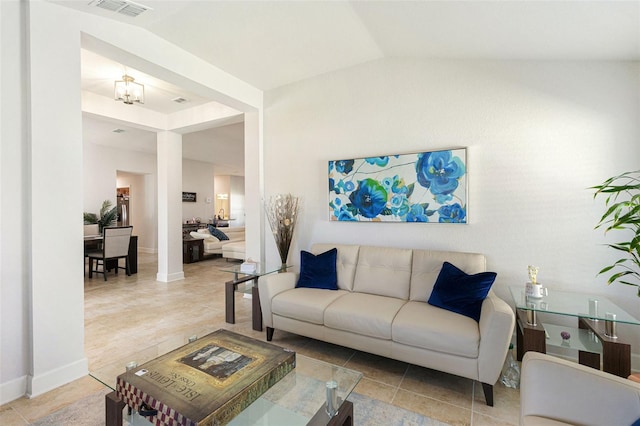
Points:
x=383 y=271
x=428 y=263
x=346 y=261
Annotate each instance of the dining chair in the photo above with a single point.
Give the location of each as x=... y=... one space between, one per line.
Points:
x=115 y=246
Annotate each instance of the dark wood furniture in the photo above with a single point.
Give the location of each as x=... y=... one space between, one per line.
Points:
x=616 y=354
x=192 y=249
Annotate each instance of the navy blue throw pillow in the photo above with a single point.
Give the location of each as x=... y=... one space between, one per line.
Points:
x=636 y=423
x=217 y=233
x=459 y=292
x=318 y=271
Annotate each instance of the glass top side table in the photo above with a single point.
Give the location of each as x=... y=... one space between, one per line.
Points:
x=595 y=313
x=240 y=277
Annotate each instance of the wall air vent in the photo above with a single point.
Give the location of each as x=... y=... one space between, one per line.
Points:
x=124 y=7
x=180 y=100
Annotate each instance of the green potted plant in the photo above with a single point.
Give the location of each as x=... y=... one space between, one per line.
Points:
x=108 y=216
x=623 y=214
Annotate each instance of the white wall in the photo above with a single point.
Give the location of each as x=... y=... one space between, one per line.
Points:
x=236 y=198
x=538 y=135
x=197 y=176
x=14 y=200
x=100 y=167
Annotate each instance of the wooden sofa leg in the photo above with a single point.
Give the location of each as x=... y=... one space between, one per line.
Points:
x=488 y=393
x=269 y=334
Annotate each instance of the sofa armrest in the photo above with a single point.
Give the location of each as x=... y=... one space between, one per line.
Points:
x=496 y=330
x=561 y=390
x=270 y=286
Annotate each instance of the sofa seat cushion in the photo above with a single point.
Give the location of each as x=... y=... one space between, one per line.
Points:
x=212 y=243
x=425 y=326
x=361 y=313
x=305 y=304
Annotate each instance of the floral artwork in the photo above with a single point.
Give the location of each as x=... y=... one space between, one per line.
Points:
x=422 y=187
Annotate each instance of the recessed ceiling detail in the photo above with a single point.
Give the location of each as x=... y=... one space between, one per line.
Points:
x=123 y=7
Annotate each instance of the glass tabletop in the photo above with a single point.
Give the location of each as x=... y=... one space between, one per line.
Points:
x=294 y=400
x=260 y=269
x=572 y=304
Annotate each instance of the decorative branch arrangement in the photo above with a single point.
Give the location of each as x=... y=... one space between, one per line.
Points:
x=282 y=212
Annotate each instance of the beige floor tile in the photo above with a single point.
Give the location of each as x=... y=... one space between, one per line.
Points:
x=506 y=403
x=34 y=408
x=378 y=368
x=444 y=387
x=438 y=410
x=483 y=420
x=327 y=352
x=376 y=390
x=10 y=417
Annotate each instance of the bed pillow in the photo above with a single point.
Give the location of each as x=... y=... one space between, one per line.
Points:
x=218 y=233
x=318 y=271
x=459 y=292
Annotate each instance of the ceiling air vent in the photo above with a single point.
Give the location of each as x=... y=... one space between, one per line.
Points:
x=118 y=130
x=180 y=100
x=123 y=7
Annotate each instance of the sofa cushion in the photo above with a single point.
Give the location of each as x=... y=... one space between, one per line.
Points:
x=346 y=262
x=383 y=271
x=217 y=233
x=201 y=235
x=426 y=266
x=459 y=292
x=365 y=314
x=425 y=326
x=318 y=271
x=305 y=304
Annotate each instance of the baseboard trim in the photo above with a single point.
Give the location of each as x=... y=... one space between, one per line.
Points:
x=147 y=250
x=13 y=390
x=167 y=278
x=37 y=385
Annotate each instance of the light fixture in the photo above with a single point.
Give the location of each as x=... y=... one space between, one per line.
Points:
x=128 y=91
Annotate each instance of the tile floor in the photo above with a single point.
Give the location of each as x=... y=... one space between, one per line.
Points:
x=126 y=314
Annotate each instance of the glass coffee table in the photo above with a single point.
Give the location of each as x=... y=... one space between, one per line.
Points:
x=595 y=336
x=240 y=277
x=299 y=398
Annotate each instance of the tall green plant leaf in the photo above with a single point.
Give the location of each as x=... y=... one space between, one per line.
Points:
x=622 y=215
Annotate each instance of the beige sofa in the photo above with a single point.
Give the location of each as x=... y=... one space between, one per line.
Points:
x=555 y=391
x=381 y=307
x=212 y=245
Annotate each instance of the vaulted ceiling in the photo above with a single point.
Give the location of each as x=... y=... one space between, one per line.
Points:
x=273 y=43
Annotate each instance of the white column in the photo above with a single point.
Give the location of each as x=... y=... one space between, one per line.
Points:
x=54 y=204
x=169 y=207
x=254 y=186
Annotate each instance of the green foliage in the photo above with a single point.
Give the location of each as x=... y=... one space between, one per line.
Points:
x=623 y=213
x=108 y=216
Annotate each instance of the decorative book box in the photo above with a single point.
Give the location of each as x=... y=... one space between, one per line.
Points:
x=207 y=382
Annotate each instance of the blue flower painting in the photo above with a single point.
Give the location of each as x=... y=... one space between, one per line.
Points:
x=427 y=187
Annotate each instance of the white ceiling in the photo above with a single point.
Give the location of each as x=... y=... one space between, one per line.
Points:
x=272 y=43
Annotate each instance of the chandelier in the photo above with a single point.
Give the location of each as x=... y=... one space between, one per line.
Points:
x=128 y=91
